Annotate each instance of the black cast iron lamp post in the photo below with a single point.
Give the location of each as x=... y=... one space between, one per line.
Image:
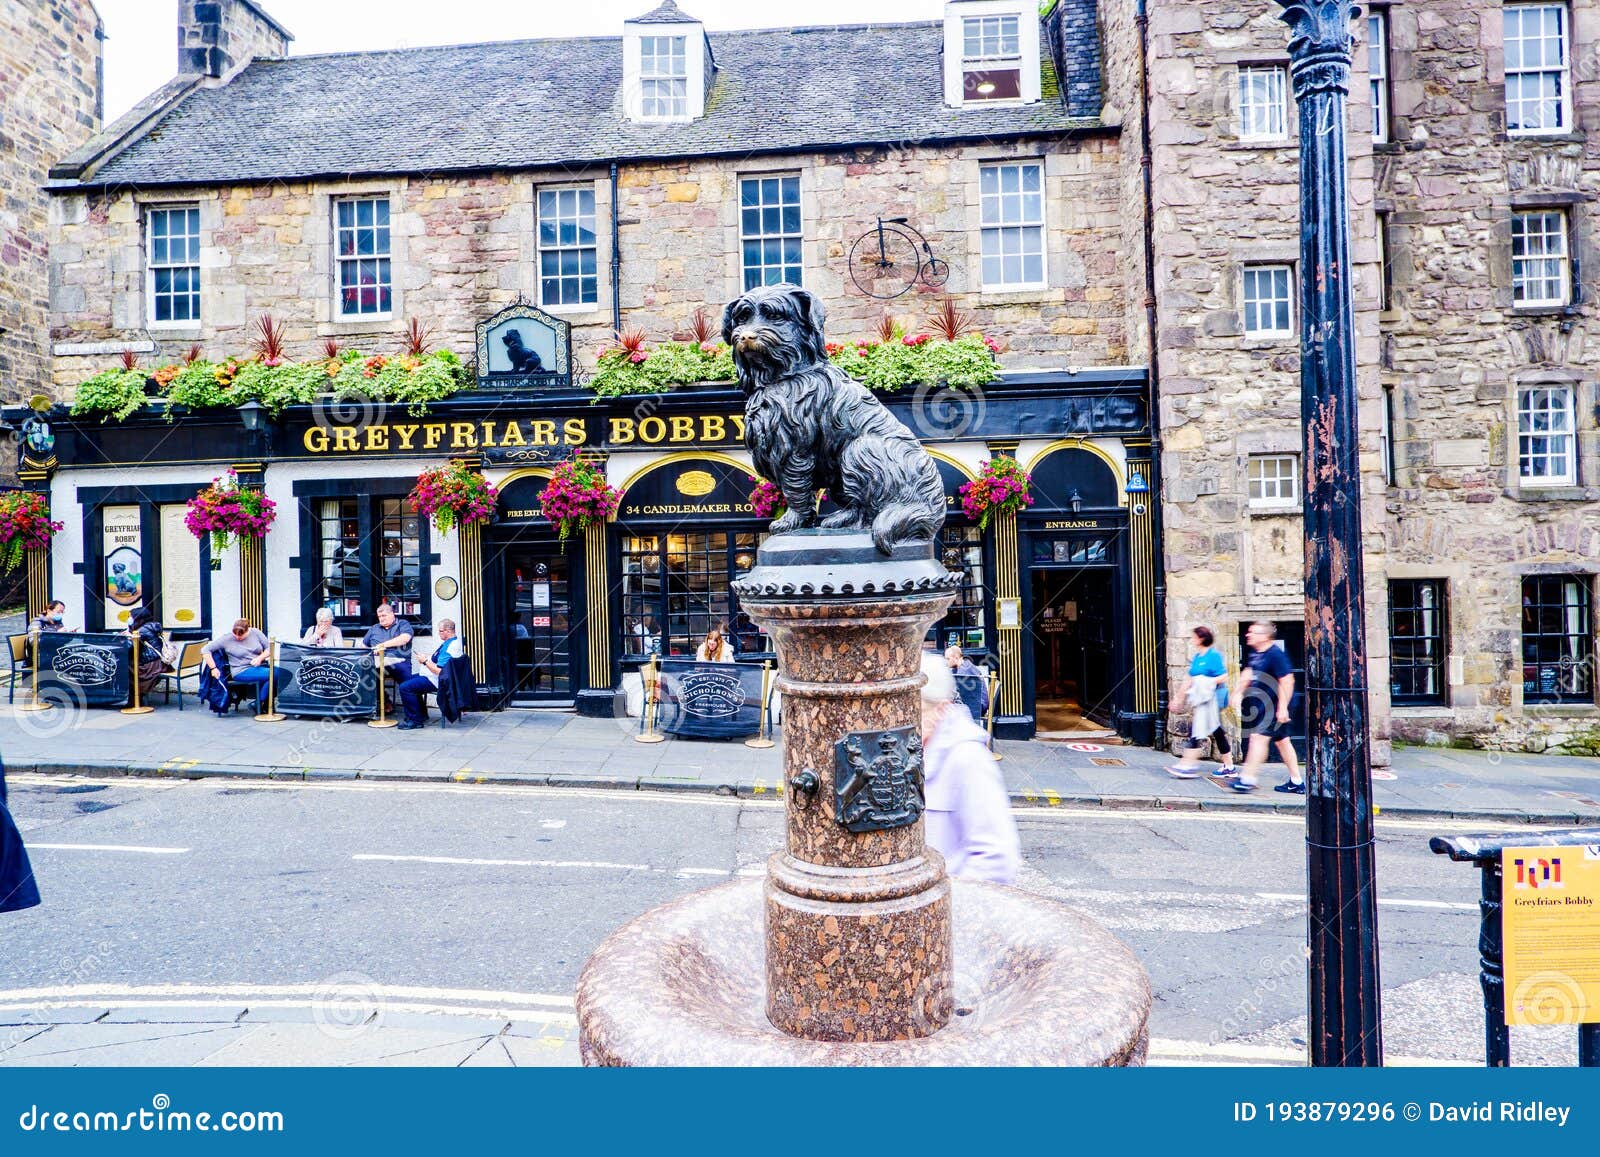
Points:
x=1345 y=1026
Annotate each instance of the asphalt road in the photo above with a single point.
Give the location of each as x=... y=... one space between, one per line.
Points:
x=472 y=887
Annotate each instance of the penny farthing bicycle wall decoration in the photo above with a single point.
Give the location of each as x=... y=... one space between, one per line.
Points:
x=887 y=261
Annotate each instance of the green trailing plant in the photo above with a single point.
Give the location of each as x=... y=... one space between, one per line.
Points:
x=412 y=380
x=113 y=395
x=632 y=367
x=915 y=359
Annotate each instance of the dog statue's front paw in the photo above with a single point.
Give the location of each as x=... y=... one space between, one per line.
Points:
x=848 y=519
x=791 y=520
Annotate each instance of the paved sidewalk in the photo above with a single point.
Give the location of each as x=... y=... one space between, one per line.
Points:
x=561 y=749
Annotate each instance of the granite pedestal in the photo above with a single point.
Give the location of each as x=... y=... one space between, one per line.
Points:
x=845 y=953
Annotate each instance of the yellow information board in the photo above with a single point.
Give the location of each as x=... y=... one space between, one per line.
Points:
x=1550 y=924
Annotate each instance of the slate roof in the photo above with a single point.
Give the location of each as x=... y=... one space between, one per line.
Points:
x=539 y=103
x=667 y=13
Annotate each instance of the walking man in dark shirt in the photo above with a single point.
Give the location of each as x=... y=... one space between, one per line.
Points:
x=1266 y=686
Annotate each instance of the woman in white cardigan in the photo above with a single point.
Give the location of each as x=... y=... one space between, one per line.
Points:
x=968 y=813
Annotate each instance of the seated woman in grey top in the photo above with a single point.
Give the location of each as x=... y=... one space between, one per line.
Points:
x=245 y=648
x=323 y=633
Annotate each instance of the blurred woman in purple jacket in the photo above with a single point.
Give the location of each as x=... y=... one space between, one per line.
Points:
x=968 y=813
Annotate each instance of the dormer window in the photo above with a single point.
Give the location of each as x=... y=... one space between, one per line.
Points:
x=991 y=58
x=663 y=77
x=667 y=66
x=991 y=52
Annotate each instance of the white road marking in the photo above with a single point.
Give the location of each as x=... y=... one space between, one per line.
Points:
x=1393 y=902
x=602 y=865
x=33 y=847
x=473 y=863
x=1225 y=1052
x=103 y=992
x=488 y=1013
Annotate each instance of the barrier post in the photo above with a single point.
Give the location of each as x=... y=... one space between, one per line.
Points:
x=650 y=674
x=35 y=704
x=994 y=693
x=271 y=714
x=133 y=671
x=382 y=720
x=763 y=739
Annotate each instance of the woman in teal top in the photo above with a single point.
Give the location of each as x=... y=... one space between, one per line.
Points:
x=1207 y=700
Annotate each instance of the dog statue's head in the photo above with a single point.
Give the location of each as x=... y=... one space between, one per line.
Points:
x=774 y=331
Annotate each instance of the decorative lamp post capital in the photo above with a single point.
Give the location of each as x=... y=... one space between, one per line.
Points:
x=1321 y=45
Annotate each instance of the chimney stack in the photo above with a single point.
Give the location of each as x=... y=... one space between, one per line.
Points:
x=216 y=38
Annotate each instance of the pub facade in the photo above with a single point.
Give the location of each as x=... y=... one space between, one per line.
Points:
x=984 y=174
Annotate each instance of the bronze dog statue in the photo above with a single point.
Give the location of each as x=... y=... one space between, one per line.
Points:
x=810 y=426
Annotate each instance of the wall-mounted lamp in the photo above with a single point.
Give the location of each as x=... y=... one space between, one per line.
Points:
x=1075 y=501
x=250 y=414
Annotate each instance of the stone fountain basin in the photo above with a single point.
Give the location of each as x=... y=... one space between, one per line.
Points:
x=1037 y=983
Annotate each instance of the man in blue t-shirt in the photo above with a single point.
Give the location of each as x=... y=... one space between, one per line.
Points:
x=1266 y=686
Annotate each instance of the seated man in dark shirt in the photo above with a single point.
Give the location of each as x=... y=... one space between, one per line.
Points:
x=391 y=642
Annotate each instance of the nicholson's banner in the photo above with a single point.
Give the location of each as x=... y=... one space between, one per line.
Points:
x=334 y=681
x=709 y=700
x=87 y=669
x=1550 y=924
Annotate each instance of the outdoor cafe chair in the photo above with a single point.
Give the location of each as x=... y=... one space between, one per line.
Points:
x=189 y=662
x=21 y=663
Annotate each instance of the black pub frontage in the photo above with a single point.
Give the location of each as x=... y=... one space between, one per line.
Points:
x=1060 y=599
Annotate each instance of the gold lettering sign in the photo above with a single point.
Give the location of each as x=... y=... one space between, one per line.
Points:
x=453 y=437
x=1082 y=524
x=696 y=483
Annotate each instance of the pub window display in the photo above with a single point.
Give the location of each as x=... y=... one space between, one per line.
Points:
x=675 y=588
x=385 y=555
x=961 y=551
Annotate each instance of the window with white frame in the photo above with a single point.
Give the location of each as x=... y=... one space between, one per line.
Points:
x=1011 y=211
x=991 y=58
x=1274 y=479
x=1378 y=71
x=1267 y=302
x=172 y=264
x=361 y=246
x=568 y=257
x=1540 y=272
x=664 y=77
x=1263 y=103
x=1546 y=444
x=1537 y=82
x=770 y=230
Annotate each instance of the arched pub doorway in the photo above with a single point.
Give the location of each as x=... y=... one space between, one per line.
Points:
x=532 y=595
x=1076 y=593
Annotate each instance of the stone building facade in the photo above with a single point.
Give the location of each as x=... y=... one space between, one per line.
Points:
x=49 y=105
x=1473 y=174
x=228 y=195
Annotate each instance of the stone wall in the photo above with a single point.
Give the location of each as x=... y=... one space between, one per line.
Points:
x=49 y=104
x=1222 y=203
x=463 y=247
x=1455 y=351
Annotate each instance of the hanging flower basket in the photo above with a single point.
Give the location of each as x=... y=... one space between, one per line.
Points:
x=766 y=500
x=454 y=495
x=1003 y=487
x=578 y=496
x=226 y=511
x=24 y=525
